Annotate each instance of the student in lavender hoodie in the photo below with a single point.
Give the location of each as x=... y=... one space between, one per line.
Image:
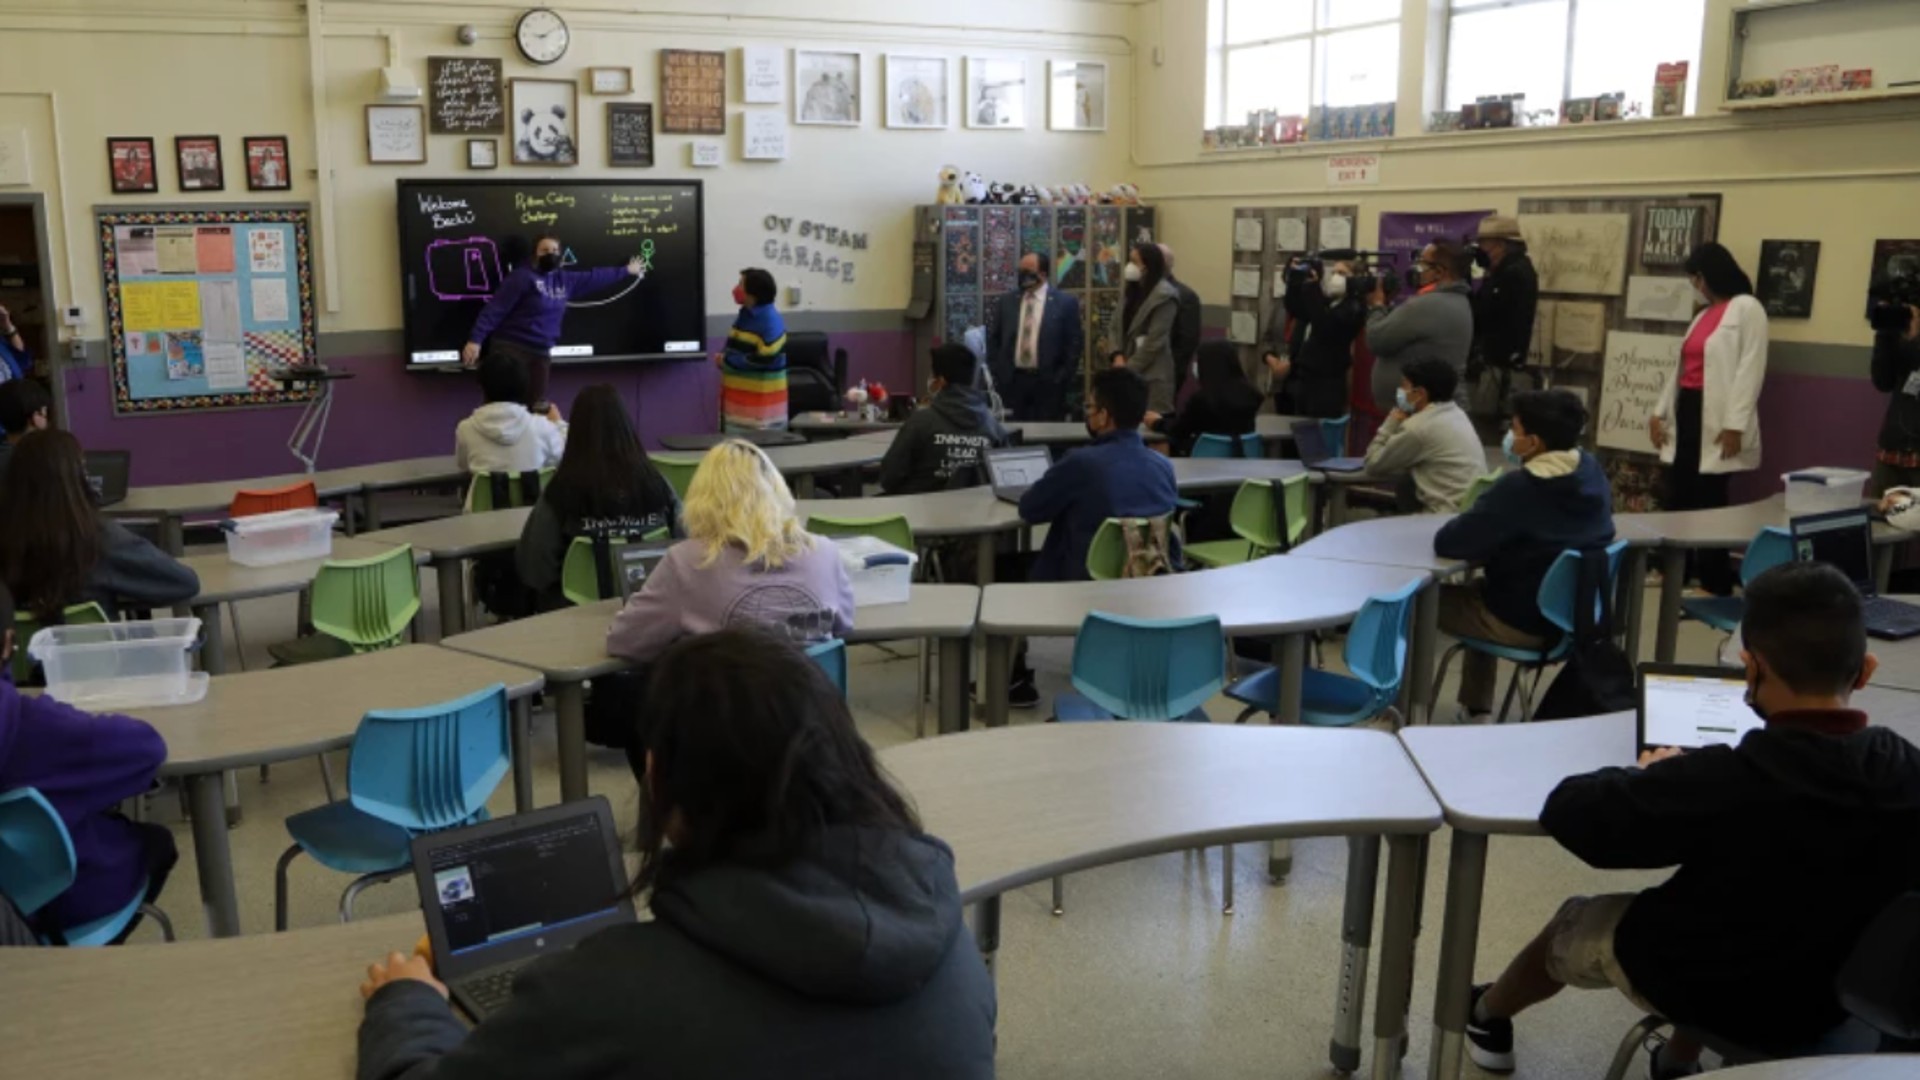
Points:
x=522 y=320
x=747 y=559
x=84 y=764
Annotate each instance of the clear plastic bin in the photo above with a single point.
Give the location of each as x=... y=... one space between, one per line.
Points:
x=124 y=665
x=283 y=536
x=1818 y=490
x=880 y=572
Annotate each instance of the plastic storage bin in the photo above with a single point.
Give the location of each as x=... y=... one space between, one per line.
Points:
x=283 y=536
x=880 y=572
x=123 y=665
x=1818 y=490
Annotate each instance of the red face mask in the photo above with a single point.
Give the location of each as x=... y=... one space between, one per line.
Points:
x=740 y=295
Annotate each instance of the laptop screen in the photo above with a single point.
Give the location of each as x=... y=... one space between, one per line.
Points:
x=637 y=563
x=1022 y=466
x=1842 y=539
x=497 y=888
x=1693 y=707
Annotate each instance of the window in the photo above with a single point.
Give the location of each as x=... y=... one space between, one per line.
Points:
x=1551 y=50
x=1290 y=55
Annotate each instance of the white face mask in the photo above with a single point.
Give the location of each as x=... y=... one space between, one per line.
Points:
x=1336 y=286
x=1700 y=295
x=1132 y=272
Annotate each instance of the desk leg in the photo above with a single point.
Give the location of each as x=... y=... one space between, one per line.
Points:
x=1459 y=940
x=213 y=651
x=173 y=535
x=1292 y=658
x=987 y=547
x=1336 y=504
x=803 y=487
x=452 y=575
x=1426 y=649
x=1883 y=569
x=1633 y=605
x=370 y=507
x=993 y=685
x=1356 y=942
x=207 y=802
x=1673 y=582
x=956 y=655
x=570 y=708
x=1399 y=932
x=521 y=733
x=986 y=930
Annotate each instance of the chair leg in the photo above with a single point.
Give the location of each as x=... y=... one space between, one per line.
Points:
x=326 y=777
x=359 y=884
x=1226 y=879
x=158 y=916
x=280 y=887
x=1513 y=684
x=1059 y=896
x=239 y=643
x=1440 y=677
x=1636 y=1035
x=921 y=691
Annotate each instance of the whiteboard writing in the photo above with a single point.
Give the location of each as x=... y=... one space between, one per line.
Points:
x=1637 y=369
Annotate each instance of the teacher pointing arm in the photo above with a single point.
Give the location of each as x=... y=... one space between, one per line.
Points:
x=522 y=320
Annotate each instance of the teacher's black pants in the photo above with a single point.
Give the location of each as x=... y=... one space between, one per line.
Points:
x=1690 y=489
x=539 y=366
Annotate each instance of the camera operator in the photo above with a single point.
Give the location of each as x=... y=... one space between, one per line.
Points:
x=1436 y=321
x=1503 y=309
x=1896 y=372
x=1311 y=366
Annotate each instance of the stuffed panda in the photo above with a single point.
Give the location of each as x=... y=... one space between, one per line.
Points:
x=1029 y=196
x=545 y=137
x=975 y=187
x=1001 y=193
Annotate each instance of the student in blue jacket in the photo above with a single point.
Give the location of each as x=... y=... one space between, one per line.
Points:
x=523 y=318
x=1558 y=498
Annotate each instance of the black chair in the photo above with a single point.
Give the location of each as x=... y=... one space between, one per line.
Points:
x=814 y=383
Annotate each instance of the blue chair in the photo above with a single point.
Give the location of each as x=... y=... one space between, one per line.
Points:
x=1556 y=599
x=1222 y=446
x=1376 y=654
x=1769 y=548
x=411 y=771
x=1333 y=433
x=37 y=865
x=831 y=655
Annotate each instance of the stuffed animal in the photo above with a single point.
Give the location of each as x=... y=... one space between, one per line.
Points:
x=1001 y=193
x=975 y=187
x=951 y=193
x=1084 y=192
x=1029 y=196
x=1046 y=196
x=1125 y=195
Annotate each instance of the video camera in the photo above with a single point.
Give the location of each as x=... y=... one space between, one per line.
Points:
x=1889 y=298
x=1370 y=268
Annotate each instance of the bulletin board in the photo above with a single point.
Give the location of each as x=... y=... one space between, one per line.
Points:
x=203 y=303
x=1264 y=238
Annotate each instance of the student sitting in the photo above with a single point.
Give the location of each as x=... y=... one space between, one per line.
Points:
x=747 y=559
x=503 y=436
x=1559 y=499
x=84 y=764
x=1429 y=440
x=803 y=923
x=605 y=486
x=943 y=446
x=58 y=550
x=25 y=406
x=753 y=369
x=1224 y=403
x=1786 y=847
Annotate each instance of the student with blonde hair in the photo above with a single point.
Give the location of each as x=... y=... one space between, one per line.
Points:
x=746 y=560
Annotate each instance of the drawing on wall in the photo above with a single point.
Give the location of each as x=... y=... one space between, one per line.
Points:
x=826 y=88
x=1659 y=299
x=916 y=91
x=996 y=93
x=544 y=112
x=1578 y=253
x=1787 y=272
x=1077 y=95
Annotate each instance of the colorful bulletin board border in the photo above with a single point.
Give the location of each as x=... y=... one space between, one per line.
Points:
x=300 y=345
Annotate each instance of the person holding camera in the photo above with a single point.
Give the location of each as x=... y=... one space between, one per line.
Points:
x=1436 y=322
x=1503 y=309
x=1309 y=346
x=1896 y=373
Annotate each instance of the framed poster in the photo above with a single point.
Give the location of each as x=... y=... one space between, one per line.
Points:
x=996 y=94
x=763 y=75
x=826 y=88
x=917 y=88
x=1787 y=272
x=396 y=135
x=693 y=92
x=198 y=159
x=610 y=80
x=1076 y=95
x=763 y=135
x=267 y=163
x=1671 y=234
x=630 y=134
x=483 y=153
x=464 y=96
x=131 y=166
x=543 y=121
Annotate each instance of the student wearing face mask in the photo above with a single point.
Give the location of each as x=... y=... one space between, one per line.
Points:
x=1309 y=345
x=753 y=367
x=1435 y=322
x=1428 y=441
x=1508 y=298
x=1143 y=342
x=1038 y=345
x=523 y=318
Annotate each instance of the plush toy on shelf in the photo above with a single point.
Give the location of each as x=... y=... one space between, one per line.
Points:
x=951 y=194
x=974 y=187
x=1001 y=193
x=1125 y=195
x=1029 y=196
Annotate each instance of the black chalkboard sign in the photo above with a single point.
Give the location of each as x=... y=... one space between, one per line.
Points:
x=464 y=96
x=630 y=134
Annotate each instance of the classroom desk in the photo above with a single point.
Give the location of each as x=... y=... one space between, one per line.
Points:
x=968 y=513
x=1031 y=803
x=800 y=464
x=1899 y=660
x=568 y=647
x=1068 y=433
x=837 y=424
x=766 y=440
x=222 y=581
x=172 y=504
x=266 y=717
x=448 y=543
x=1227 y=474
x=398 y=475
x=1876 y=1067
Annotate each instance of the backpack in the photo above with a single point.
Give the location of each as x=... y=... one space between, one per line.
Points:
x=1598 y=677
x=1149 y=547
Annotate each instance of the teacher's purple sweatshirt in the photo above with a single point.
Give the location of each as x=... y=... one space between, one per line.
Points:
x=808 y=595
x=529 y=305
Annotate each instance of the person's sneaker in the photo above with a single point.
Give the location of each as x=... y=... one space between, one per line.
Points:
x=1658 y=1069
x=1490 y=1042
x=1022 y=694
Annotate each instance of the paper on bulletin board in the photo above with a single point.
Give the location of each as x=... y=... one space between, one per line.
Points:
x=1290 y=234
x=140 y=306
x=177 y=250
x=270 y=300
x=1335 y=233
x=137 y=256
x=186 y=354
x=1578 y=253
x=1540 y=351
x=1248 y=235
x=1636 y=370
x=226 y=366
x=267 y=251
x=179 y=305
x=1580 y=327
x=1246 y=282
x=220 y=311
x=1244 y=328
x=213 y=247
x=146 y=344
x=1659 y=299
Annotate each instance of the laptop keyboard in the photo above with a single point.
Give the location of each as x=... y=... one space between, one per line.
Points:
x=1891 y=617
x=490 y=992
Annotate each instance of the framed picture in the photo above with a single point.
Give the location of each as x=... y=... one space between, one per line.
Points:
x=267 y=168
x=996 y=94
x=198 y=157
x=483 y=153
x=610 y=80
x=1787 y=272
x=630 y=134
x=1076 y=95
x=543 y=121
x=131 y=165
x=917 y=88
x=396 y=135
x=826 y=88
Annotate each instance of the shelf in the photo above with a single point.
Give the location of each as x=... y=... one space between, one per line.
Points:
x=1795 y=101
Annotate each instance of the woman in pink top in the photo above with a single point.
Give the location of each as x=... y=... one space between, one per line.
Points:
x=1707 y=425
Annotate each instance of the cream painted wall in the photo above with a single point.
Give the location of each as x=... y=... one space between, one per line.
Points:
x=1842 y=175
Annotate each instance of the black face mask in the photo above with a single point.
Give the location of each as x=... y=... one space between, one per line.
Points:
x=548 y=263
x=1753 y=697
x=1029 y=280
x=1481 y=259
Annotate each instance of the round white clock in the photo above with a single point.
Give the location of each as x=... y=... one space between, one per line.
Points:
x=542 y=36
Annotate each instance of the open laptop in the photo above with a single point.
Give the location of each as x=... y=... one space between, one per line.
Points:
x=499 y=895
x=107 y=472
x=637 y=563
x=1015 y=469
x=1844 y=540
x=1311 y=442
x=1691 y=707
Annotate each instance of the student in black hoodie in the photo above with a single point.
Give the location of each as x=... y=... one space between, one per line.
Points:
x=803 y=924
x=1225 y=403
x=1786 y=846
x=943 y=446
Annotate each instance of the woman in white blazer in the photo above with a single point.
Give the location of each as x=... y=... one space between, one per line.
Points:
x=1707 y=426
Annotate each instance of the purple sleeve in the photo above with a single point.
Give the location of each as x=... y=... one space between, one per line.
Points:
x=587 y=282
x=83 y=763
x=505 y=299
x=650 y=621
x=842 y=592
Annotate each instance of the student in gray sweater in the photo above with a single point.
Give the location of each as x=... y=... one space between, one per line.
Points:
x=1428 y=441
x=1436 y=321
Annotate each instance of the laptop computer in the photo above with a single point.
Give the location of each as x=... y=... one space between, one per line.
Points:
x=1844 y=540
x=1015 y=469
x=1690 y=707
x=1310 y=440
x=504 y=893
x=107 y=472
x=637 y=563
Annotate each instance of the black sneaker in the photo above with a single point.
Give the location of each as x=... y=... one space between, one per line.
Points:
x=1489 y=1043
x=1022 y=694
x=1660 y=1069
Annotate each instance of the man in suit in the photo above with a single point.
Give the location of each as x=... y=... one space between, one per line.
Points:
x=1186 y=325
x=1037 y=345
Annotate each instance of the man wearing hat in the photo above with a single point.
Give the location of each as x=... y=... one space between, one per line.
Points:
x=1504 y=306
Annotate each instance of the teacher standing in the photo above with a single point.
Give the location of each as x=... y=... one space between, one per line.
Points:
x=1152 y=305
x=522 y=320
x=1707 y=425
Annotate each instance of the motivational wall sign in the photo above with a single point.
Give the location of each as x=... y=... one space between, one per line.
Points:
x=693 y=92
x=630 y=134
x=1637 y=369
x=1585 y=254
x=464 y=98
x=1671 y=235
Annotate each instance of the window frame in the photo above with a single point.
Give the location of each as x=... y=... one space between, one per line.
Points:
x=1314 y=38
x=1471 y=7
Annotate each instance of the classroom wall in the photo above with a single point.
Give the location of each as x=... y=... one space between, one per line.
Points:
x=82 y=70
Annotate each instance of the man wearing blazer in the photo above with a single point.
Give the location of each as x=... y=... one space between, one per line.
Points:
x=1037 y=344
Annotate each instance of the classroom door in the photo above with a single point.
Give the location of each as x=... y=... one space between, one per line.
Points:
x=23 y=282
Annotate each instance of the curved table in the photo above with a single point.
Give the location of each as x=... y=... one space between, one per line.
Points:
x=837 y=424
x=800 y=464
x=448 y=543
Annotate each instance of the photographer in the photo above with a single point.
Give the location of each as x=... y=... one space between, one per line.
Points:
x=1896 y=372
x=1503 y=309
x=1311 y=364
x=1436 y=321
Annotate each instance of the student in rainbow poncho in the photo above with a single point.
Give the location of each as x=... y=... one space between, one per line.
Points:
x=753 y=368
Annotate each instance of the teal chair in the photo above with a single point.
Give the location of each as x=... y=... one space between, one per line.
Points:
x=831 y=655
x=1769 y=548
x=1223 y=446
x=1334 y=434
x=1376 y=654
x=37 y=864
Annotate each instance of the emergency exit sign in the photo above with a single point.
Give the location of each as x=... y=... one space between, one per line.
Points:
x=1353 y=170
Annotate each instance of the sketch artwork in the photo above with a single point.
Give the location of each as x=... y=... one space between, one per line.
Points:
x=1077 y=96
x=826 y=88
x=916 y=91
x=996 y=93
x=544 y=122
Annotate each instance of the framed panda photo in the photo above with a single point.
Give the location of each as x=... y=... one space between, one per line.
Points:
x=545 y=121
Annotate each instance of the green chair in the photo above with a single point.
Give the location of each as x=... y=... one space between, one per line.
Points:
x=25 y=625
x=894 y=530
x=1256 y=521
x=582 y=581
x=1478 y=488
x=677 y=470
x=505 y=491
x=359 y=605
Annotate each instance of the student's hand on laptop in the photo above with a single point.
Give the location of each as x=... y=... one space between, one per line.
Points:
x=1659 y=753
x=397 y=967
